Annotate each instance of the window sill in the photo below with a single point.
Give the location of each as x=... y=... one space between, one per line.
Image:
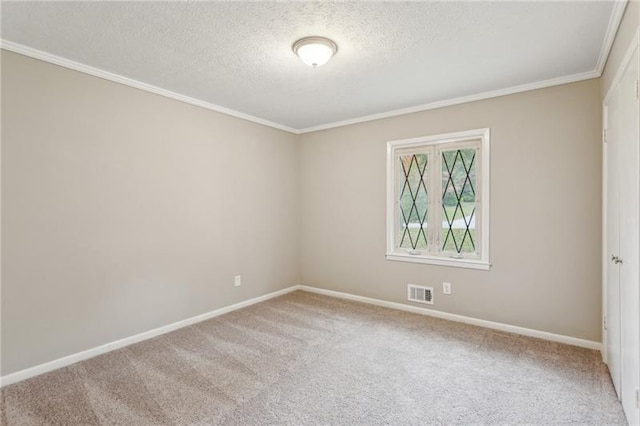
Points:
x=441 y=261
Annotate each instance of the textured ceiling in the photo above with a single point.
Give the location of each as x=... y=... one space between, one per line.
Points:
x=391 y=55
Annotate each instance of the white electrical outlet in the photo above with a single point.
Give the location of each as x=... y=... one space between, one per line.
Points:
x=446 y=288
x=237 y=282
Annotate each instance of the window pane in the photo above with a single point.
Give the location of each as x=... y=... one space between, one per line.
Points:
x=458 y=233
x=413 y=201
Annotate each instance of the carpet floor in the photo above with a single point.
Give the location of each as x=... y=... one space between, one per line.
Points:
x=306 y=359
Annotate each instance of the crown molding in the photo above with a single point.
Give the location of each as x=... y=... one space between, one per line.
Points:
x=633 y=46
x=457 y=101
x=614 y=23
x=97 y=72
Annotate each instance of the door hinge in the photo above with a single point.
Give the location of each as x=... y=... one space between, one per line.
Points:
x=604 y=135
x=637 y=398
x=637 y=83
x=604 y=322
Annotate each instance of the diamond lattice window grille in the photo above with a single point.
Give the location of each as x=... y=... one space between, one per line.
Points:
x=459 y=201
x=413 y=201
x=437 y=199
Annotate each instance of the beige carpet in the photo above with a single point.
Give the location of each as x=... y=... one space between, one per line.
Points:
x=305 y=359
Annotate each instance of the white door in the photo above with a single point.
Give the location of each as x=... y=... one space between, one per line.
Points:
x=623 y=237
x=612 y=244
x=629 y=240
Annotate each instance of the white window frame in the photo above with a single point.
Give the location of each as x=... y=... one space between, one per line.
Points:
x=482 y=199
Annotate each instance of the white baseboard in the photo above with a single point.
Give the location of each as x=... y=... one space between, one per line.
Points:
x=99 y=350
x=574 y=341
x=90 y=353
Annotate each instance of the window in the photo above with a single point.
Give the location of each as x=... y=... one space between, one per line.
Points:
x=438 y=199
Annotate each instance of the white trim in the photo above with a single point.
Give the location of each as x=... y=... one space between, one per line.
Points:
x=96 y=72
x=99 y=350
x=77 y=66
x=614 y=23
x=433 y=256
x=441 y=261
x=457 y=101
x=568 y=340
x=623 y=65
x=443 y=138
x=605 y=49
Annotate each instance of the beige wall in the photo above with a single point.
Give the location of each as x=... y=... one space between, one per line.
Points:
x=124 y=211
x=626 y=31
x=545 y=211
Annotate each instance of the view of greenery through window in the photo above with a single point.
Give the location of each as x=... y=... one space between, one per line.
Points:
x=458 y=200
x=458 y=192
x=414 y=200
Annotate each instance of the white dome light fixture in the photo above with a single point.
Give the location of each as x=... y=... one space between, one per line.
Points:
x=315 y=51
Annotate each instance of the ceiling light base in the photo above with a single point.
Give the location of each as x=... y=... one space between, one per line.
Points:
x=315 y=51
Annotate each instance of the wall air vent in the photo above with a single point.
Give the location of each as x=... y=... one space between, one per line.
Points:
x=416 y=293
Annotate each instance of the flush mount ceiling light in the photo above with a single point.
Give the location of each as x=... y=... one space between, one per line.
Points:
x=315 y=51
